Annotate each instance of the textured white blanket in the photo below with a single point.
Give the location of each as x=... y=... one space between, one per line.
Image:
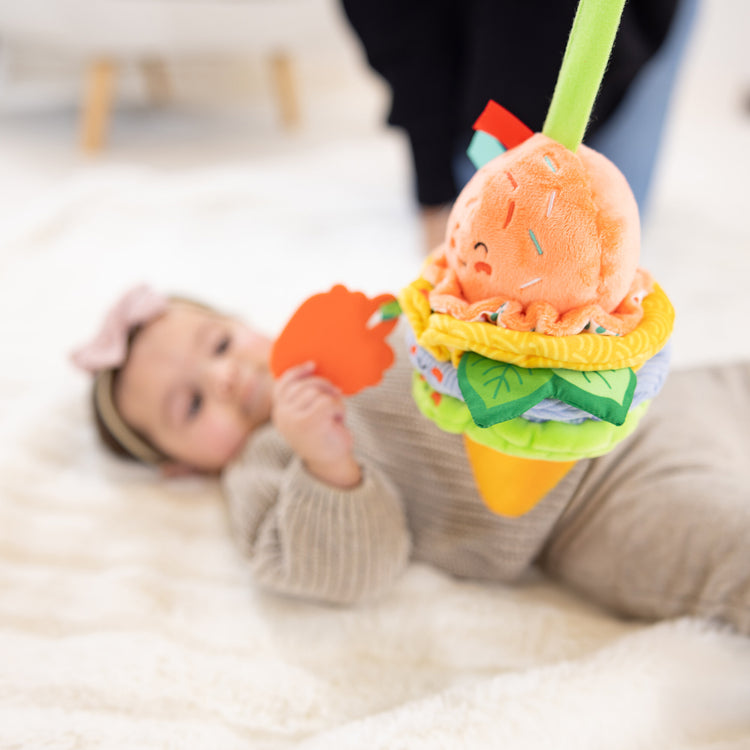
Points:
x=126 y=617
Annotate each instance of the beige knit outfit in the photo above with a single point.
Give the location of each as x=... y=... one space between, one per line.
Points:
x=659 y=527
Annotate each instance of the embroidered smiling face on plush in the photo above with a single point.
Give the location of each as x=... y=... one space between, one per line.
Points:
x=543 y=223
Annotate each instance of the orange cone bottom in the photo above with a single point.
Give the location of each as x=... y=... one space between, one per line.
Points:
x=511 y=486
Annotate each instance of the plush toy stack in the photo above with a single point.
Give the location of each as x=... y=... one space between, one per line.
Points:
x=533 y=330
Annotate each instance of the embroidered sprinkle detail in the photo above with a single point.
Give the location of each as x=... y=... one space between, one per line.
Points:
x=551 y=201
x=550 y=163
x=529 y=283
x=535 y=241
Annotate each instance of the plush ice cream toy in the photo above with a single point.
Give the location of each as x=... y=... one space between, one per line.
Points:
x=535 y=333
x=543 y=239
x=532 y=329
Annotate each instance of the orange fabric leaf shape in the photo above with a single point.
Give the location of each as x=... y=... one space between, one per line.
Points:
x=332 y=330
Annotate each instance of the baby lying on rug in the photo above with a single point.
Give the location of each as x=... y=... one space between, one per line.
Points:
x=546 y=452
x=329 y=497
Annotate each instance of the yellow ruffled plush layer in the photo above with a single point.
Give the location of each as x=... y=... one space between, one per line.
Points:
x=447 y=338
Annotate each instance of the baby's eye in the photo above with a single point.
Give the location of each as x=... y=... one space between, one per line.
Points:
x=223 y=344
x=195 y=405
x=482 y=246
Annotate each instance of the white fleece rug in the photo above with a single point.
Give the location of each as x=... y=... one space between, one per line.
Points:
x=127 y=619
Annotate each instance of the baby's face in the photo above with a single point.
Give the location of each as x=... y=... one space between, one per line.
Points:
x=196 y=384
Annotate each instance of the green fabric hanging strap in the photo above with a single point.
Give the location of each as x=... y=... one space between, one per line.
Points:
x=586 y=55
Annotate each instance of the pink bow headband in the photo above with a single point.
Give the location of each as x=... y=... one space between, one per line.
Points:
x=109 y=348
x=108 y=351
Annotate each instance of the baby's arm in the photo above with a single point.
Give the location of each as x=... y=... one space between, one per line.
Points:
x=304 y=535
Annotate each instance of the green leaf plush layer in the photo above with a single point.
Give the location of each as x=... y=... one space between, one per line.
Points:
x=499 y=391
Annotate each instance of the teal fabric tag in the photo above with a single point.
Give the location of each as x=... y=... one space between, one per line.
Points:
x=483 y=148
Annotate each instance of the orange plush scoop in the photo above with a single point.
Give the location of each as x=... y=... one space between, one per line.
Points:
x=543 y=239
x=340 y=331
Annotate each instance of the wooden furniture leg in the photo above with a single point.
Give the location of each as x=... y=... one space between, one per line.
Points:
x=157 y=80
x=97 y=104
x=286 y=93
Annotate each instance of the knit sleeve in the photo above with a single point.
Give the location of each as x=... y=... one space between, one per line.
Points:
x=305 y=538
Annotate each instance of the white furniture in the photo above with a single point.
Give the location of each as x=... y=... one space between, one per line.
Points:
x=106 y=32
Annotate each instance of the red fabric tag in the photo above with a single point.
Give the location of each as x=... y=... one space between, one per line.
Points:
x=501 y=124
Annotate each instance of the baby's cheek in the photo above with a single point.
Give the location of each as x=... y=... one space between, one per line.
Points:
x=223 y=436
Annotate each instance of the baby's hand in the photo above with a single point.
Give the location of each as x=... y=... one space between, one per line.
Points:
x=309 y=412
